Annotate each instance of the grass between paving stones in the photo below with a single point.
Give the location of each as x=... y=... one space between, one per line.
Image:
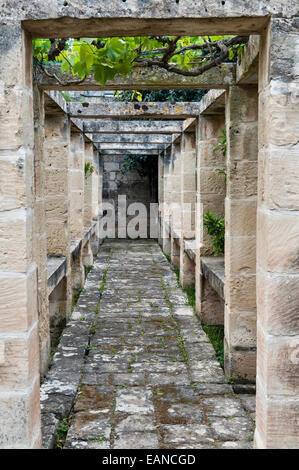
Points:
x=64 y=424
x=61 y=433
x=215 y=333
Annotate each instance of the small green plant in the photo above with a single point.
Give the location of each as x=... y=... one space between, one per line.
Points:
x=216 y=229
x=216 y=336
x=88 y=169
x=139 y=163
x=87 y=269
x=221 y=171
x=62 y=430
x=221 y=145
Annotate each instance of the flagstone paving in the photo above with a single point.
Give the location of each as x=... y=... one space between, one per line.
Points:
x=151 y=379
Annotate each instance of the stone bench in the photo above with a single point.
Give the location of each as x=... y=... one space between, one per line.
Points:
x=56 y=268
x=212 y=268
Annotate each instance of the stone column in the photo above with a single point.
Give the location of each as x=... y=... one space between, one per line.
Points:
x=240 y=233
x=40 y=245
x=76 y=174
x=188 y=198
x=211 y=188
x=77 y=185
x=175 y=219
x=161 y=196
x=95 y=186
x=57 y=203
x=19 y=337
x=277 y=238
x=167 y=202
x=89 y=163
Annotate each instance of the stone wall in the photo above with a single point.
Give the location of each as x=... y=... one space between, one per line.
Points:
x=134 y=187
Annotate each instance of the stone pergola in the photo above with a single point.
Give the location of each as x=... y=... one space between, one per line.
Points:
x=49 y=220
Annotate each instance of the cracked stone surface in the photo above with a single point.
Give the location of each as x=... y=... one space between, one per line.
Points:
x=151 y=379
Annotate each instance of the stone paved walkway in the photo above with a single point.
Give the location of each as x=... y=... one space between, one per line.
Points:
x=150 y=379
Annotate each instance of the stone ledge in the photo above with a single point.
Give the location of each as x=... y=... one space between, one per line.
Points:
x=60 y=387
x=89 y=231
x=56 y=268
x=76 y=245
x=190 y=250
x=212 y=268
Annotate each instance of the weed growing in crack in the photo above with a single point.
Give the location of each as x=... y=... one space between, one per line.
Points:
x=62 y=430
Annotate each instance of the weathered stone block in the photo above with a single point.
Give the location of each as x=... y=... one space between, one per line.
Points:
x=241 y=254
x=18 y=308
x=211 y=182
x=278 y=364
x=16 y=179
x=277 y=247
x=240 y=292
x=21 y=361
x=277 y=299
x=16 y=239
x=240 y=217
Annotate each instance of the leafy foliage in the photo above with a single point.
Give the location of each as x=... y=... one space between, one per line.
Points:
x=221 y=145
x=139 y=163
x=173 y=96
x=216 y=229
x=107 y=57
x=88 y=169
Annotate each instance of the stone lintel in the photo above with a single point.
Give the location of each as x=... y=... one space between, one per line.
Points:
x=131 y=138
x=143 y=78
x=118 y=109
x=213 y=103
x=112 y=126
x=130 y=146
x=248 y=63
x=131 y=152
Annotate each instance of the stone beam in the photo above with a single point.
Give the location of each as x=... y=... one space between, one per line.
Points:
x=130 y=152
x=110 y=126
x=131 y=18
x=131 y=138
x=143 y=79
x=129 y=146
x=248 y=63
x=119 y=109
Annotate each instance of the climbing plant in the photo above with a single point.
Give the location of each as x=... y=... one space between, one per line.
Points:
x=139 y=163
x=172 y=96
x=221 y=144
x=216 y=229
x=88 y=169
x=106 y=57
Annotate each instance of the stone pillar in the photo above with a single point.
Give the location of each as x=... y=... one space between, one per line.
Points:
x=88 y=164
x=211 y=189
x=40 y=245
x=277 y=239
x=167 y=202
x=57 y=203
x=188 y=198
x=240 y=233
x=95 y=202
x=19 y=336
x=161 y=196
x=175 y=219
x=95 y=186
x=77 y=186
x=100 y=185
x=76 y=175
